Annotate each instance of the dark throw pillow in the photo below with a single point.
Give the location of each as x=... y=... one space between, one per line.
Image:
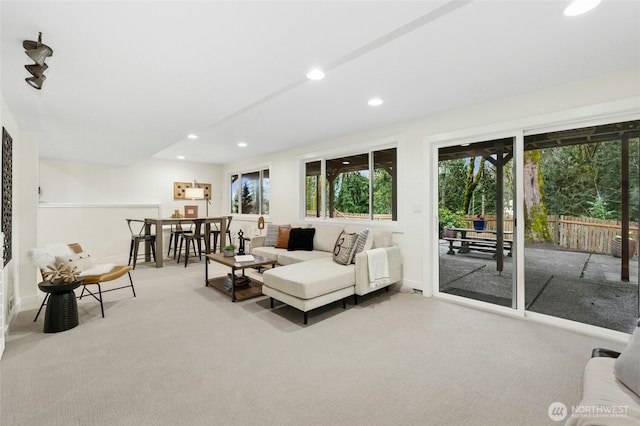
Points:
x=301 y=239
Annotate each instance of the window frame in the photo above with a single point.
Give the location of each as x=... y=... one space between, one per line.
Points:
x=368 y=148
x=259 y=202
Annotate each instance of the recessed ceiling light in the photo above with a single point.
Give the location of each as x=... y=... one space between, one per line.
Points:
x=192 y=136
x=345 y=162
x=375 y=101
x=578 y=7
x=180 y=157
x=315 y=74
x=242 y=144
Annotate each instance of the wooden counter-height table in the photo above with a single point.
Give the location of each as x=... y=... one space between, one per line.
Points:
x=161 y=221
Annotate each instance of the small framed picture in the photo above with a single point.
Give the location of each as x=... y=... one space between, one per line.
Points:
x=190 y=211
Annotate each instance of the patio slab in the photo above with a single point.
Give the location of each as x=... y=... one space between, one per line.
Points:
x=611 y=305
x=582 y=287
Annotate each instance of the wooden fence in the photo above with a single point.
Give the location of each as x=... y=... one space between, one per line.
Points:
x=575 y=233
x=358 y=216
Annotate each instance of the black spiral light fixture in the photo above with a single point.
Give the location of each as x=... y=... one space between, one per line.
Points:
x=38 y=52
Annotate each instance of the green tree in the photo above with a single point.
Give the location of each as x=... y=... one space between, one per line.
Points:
x=352 y=193
x=247 y=199
x=311 y=193
x=451 y=184
x=536 y=225
x=382 y=192
x=578 y=176
x=472 y=181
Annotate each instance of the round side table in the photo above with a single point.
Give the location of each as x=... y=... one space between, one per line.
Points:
x=62 y=307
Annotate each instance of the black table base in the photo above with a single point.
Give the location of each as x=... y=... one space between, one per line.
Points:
x=62 y=308
x=61 y=313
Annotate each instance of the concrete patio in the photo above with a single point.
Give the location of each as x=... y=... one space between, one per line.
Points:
x=578 y=286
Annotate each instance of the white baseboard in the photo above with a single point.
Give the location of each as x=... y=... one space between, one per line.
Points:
x=407 y=286
x=27 y=303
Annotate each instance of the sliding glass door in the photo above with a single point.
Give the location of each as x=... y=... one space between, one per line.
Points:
x=475 y=195
x=578 y=215
x=581 y=211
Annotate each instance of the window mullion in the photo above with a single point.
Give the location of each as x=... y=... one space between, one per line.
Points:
x=371 y=185
x=259 y=192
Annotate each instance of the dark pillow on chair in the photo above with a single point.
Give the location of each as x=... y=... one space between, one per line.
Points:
x=301 y=239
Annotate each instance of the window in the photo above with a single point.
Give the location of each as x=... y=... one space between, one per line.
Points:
x=250 y=192
x=359 y=186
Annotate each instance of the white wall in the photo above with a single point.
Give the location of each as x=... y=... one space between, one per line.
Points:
x=18 y=274
x=148 y=182
x=414 y=198
x=88 y=203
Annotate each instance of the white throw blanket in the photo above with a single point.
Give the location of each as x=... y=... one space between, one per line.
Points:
x=378 y=267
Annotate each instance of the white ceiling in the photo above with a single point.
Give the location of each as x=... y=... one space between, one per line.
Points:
x=130 y=80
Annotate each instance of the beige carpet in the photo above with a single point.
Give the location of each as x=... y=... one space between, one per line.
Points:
x=184 y=354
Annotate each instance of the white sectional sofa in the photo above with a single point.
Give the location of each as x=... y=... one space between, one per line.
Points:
x=309 y=279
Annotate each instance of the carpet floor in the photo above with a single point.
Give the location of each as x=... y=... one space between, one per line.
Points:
x=181 y=353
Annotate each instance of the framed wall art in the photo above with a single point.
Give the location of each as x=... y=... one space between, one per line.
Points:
x=7 y=193
x=179 y=189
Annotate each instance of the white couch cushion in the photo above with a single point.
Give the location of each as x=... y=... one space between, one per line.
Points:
x=285 y=257
x=326 y=236
x=310 y=279
x=268 y=252
x=382 y=238
x=289 y=257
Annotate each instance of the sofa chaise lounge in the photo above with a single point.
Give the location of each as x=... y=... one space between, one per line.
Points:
x=308 y=279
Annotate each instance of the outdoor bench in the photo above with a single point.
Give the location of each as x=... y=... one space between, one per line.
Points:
x=482 y=244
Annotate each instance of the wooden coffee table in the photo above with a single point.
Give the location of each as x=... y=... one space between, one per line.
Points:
x=239 y=287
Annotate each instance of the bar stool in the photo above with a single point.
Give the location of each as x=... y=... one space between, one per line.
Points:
x=216 y=233
x=191 y=238
x=137 y=236
x=176 y=231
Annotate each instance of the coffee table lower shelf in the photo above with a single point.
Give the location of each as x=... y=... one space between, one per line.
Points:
x=243 y=292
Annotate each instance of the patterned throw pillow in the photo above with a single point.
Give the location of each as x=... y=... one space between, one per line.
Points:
x=271 y=238
x=343 y=250
x=364 y=242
